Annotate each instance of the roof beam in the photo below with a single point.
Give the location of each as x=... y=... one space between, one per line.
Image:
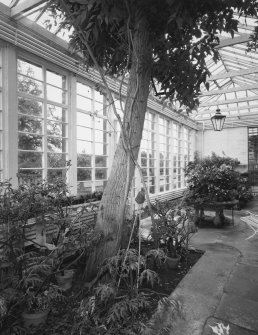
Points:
x=225 y=75
x=229 y=101
x=243 y=38
x=228 y=110
x=231 y=90
x=24 y=7
x=236 y=52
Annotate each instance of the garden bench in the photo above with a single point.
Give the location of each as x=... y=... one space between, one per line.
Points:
x=252 y=221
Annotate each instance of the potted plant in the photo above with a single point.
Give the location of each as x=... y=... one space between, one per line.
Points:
x=64 y=279
x=38 y=303
x=213 y=181
x=173 y=227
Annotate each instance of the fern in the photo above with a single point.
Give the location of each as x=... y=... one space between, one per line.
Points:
x=105 y=292
x=151 y=277
x=162 y=321
x=126 y=309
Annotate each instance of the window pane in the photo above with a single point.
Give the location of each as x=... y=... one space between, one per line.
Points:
x=29 y=69
x=29 y=160
x=56 y=94
x=84 y=133
x=56 y=113
x=101 y=174
x=84 y=90
x=83 y=160
x=55 y=79
x=29 y=142
x=56 y=160
x=29 y=176
x=100 y=149
x=56 y=129
x=143 y=161
x=84 y=119
x=100 y=161
x=84 y=147
x=55 y=144
x=99 y=108
x=100 y=124
x=29 y=124
x=83 y=174
x=152 y=189
x=29 y=86
x=53 y=175
x=29 y=107
x=83 y=103
x=98 y=96
x=100 y=136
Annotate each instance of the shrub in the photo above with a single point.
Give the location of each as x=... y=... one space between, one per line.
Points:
x=214 y=179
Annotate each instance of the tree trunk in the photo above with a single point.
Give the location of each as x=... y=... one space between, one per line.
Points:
x=110 y=219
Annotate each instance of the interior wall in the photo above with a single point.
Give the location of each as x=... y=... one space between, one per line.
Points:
x=232 y=142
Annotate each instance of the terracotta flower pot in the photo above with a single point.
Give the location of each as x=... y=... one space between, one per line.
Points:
x=172 y=262
x=36 y=318
x=65 y=279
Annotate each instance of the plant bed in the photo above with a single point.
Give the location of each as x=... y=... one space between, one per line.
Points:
x=170 y=278
x=62 y=317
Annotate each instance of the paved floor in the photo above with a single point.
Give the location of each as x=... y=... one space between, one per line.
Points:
x=221 y=290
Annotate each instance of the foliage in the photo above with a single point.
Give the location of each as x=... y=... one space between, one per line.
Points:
x=214 y=178
x=115 y=305
x=162 y=321
x=173 y=226
x=27 y=265
x=42 y=300
x=181 y=35
x=164 y=43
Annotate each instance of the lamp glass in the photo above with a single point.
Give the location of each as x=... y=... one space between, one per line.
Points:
x=218 y=121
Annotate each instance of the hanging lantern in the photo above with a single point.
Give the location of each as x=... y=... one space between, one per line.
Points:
x=218 y=120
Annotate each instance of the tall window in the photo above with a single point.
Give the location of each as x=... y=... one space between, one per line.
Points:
x=180 y=173
x=92 y=140
x=253 y=156
x=164 y=154
x=1 y=121
x=176 y=163
x=185 y=152
x=42 y=121
x=148 y=152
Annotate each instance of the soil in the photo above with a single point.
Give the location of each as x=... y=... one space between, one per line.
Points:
x=60 y=319
x=170 y=278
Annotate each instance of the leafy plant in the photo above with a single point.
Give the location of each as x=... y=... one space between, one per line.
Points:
x=213 y=179
x=43 y=299
x=173 y=226
x=115 y=305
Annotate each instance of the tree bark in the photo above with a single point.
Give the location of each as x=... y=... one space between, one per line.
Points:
x=110 y=219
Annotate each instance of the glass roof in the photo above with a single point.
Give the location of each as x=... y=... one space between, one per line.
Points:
x=233 y=80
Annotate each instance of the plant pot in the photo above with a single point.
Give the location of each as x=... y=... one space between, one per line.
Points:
x=65 y=280
x=36 y=318
x=172 y=262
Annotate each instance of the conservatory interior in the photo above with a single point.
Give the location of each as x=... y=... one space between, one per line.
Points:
x=58 y=138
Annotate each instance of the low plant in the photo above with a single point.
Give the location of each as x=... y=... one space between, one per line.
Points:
x=174 y=227
x=43 y=298
x=115 y=305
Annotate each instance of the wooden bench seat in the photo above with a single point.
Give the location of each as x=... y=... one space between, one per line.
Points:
x=252 y=221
